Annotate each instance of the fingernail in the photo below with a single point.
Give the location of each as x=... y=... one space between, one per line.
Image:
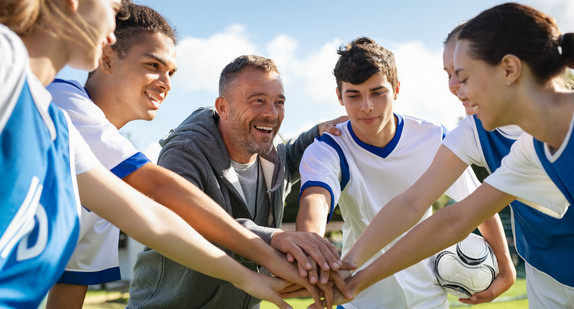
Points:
x=325 y=266
x=308 y=265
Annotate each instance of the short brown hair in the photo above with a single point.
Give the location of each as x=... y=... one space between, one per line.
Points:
x=239 y=64
x=363 y=58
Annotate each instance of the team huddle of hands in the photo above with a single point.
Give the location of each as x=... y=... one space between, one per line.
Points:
x=317 y=261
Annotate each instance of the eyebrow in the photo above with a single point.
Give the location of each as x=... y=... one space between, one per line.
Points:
x=160 y=60
x=281 y=96
x=371 y=89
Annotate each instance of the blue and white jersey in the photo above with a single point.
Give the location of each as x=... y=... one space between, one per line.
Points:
x=95 y=259
x=38 y=192
x=362 y=179
x=546 y=249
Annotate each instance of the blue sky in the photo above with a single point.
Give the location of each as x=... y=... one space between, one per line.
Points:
x=302 y=37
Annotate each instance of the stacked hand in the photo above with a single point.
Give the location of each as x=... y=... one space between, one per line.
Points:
x=318 y=263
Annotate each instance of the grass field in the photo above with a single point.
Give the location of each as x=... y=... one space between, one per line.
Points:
x=514 y=298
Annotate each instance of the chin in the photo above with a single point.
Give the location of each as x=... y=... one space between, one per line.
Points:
x=470 y=111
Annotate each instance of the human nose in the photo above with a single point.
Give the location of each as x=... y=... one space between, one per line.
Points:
x=271 y=110
x=453 y=84
x=366 y=105
x=165 y=81
x=460 y=92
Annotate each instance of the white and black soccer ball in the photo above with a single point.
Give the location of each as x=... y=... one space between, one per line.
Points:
x=467 y=267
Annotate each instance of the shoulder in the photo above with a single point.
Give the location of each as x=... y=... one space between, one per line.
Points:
x=13 y=53
x=67 y=86
x=13 y=71
x=418 y=125
x=69 y=94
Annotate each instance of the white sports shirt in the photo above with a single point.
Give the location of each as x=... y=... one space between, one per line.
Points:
x=362 y=178
x=95 y=259
x=522 y=175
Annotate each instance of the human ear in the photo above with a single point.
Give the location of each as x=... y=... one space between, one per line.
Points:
x=339 y=96
x=221 y=107
x=106 y=59
x=512 y=68
x=397 y=89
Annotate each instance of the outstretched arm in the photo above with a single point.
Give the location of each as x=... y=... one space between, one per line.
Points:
x=157 y=227
x=410 y=206
x=447 y=226
x=207 y=217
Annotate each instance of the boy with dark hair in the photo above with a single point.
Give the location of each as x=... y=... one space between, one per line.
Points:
x=378 y=155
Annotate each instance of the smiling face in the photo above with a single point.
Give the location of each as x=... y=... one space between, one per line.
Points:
x=99 y=19
x=141 y=79
x=370 y=108
x=482 y=87
x=251 y=113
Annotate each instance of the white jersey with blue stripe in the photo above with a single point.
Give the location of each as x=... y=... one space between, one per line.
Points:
x=95 y=259
x=39 y=201
x=523 y=176
x=363 y=178
x=546 y=249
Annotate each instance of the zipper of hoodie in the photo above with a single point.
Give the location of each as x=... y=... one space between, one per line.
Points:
x=233 y=191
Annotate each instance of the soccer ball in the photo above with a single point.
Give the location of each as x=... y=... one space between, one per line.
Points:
x=467 y=267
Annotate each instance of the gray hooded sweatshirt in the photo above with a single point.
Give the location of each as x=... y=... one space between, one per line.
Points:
x=196 y=151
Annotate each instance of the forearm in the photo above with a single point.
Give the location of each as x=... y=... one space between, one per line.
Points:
x=200 y=211
x=493 y=233
x=413 y=247
x=446 y=227
x=384 y=228
x=154 y=225
x=314 y=207
x=410 y=206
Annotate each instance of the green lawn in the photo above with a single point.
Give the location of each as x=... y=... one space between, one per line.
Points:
x=514 y=298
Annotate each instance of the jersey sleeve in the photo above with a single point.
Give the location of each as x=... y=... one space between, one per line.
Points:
x=320 y=167
x=112 y=149
x=522 y=175
x=84 y=160
x=13 y=66
x=463 y=142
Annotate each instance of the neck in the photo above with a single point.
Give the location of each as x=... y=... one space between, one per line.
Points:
x=382 y=138
x=47 y=55
x=101 y=95
x=546 y=115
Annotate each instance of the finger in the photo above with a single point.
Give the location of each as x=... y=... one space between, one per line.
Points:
x=298 y=294
x=334 y=130
x=315 y=294
x=290 y=258
x=327 y=294
x=330 y=253
x=313 y=274
x=478 y=298
x=324 y=276
x=279 y=302
x=302 y=271
x=301 y=257
x=339 y=282
x=292 y=288
x=318 y=248
x=347 y=266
